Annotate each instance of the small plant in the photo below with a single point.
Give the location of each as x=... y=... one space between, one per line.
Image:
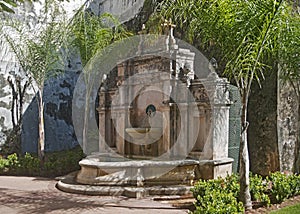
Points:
x=56 y=163
x=9 y=164
x=30 y=164
x=258 y=189
x=220 y=202
x=3 y=164
x=281 y=188
x=13 y=161
x=217 y=196
x=294 y=181
x=221 y=195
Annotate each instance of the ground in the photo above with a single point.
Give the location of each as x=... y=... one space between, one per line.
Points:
x=39 y=195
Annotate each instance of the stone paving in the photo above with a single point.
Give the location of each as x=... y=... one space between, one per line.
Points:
x=39 y=195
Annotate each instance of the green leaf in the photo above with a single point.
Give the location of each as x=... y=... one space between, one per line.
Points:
x=4 y=7
x=10 y=2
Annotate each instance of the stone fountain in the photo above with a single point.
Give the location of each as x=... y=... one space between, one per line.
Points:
x=162 y=127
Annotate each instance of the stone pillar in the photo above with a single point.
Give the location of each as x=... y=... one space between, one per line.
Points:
x=121 y=111
x=287 y=125
x=215 y=161
x=120 y=127
x=102 y=124
x=182 y=141
x=165 y=145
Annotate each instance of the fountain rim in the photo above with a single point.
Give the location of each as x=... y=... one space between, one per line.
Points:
x=95 y=162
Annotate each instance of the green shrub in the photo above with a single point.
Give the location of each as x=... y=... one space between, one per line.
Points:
x=10 y=164
x=281 y=188
x=13 y=161
x=30 y=164
x=217 y=196
x=294 y=181
x=56 y=163
x=221 y=195
x=259 y=189
x=220 y=202
x=3 y=164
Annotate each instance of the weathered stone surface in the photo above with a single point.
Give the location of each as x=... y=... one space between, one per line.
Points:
x=262 y=117
x=212 y=169
x=68 y=184
x=287 y=126
x=124 y=10
x=9 y=69
x=135 y=24
x=273 y=116
x=136 y=172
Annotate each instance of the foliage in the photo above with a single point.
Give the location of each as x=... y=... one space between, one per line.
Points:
x=56 y=163
x=217 y=196
x=9 y=5
x=220 y=195
x=259 y=189
x=94 y=33
x=294 y=181
x=40 y=53
x=246 y=37
x=11 y=161
x=289 y=49
x=283 y=186
x=242 y=35
x=29 y=164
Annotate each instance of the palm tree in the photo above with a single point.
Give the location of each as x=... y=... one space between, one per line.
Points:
x=39 y=52
x=91 y=35
x=245 y=36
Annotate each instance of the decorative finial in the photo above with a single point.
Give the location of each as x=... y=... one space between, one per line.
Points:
x=168 y=24
x=170 y=41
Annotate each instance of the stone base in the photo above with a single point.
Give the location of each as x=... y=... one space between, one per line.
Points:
x=69 y=184
x=136 y=172
x=136 y=178
x=212 y=169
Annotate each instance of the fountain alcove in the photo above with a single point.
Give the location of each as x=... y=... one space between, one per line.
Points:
x=162 y=127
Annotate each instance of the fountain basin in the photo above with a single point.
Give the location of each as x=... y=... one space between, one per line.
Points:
x=137 y=172
x=103 y=174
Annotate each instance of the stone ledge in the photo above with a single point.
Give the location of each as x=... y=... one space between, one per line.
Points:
x=68 y=184
x=94 y=162
x=216 y=162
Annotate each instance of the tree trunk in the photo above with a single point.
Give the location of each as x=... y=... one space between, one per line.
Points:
x=245 y=196
x=41 y=141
